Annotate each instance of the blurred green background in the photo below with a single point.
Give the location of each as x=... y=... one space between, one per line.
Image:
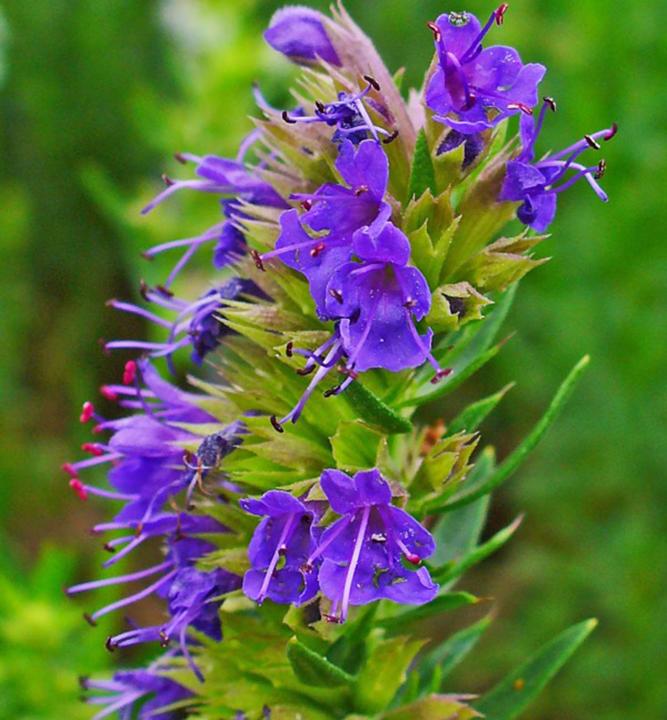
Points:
x=97 y=95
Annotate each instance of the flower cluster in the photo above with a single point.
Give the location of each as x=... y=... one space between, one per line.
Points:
x=355 y=234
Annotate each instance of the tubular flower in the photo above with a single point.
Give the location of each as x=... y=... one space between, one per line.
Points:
x=364 y=552
x=279 y=549
x=537 y=184
x=474 y=88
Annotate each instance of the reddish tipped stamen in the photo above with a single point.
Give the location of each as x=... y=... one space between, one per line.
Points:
x=435 y=30
x=276 y=425
x=129 y=372
x=500 y=13
x=440 y=375
x=306 y=204
x=164 y=291
x=78 y=488
x=167 y=180
x=413 y=559
x=93 y=449
x=612 y=132
x=87 y=412
x=318 y=249
x=257 y=259
x=525 y=109
x=108 y=394
x=69 y=469
x=179 y=157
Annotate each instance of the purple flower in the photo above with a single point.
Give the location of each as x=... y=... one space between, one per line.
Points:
x=472 y=83
x=335 y=213
x=137 y=693
x=349 y=116
x=299 y=33
x=537 y=184
x=280 y=549
x=237 y=183
x=366 y=552
x=196 y=324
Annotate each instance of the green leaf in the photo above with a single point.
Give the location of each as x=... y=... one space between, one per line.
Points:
x=434 y=707
x=510 y=464
x=422 y=176
x=374 y=411
x=443 y=603
x=456 y=569
x=355 y=445
x=314 y=669
x=511 y=696
x=473 y=416
x=384 y=672
x=442 y=659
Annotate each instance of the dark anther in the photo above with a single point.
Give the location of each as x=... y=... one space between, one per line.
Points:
x=164 y=639
x=602 y=169
x=409 y=303
x=317 y=249
x=337 y=295
x=257 y=259
x=500 y=13
x=612 y=131
x=276 y=425
x=179 y=157
x=143 y=290
x=434 y=29
x=372 y=82
x=332 y=391
x=350 y=372
x=83 y=682
x=441 y=374
x=525 y=109
x=108 y=644
x=109 y=548
x=390 y=138
x=361 y=190
x=167 y=180
x=287 y=118
x=379 y=538
x=289 y=348
x=90 y=620
x=332 y=619
x=592 y=142
x=551 y=103
x=164 y=291
x=319 y=106
x=305 y=370
x=282 y=550
x=306 y=204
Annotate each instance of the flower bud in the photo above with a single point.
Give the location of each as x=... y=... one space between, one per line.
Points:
x=298 y=32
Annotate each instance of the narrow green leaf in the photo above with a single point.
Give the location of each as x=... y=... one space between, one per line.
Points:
x=422 y=176
x=443 y=603
x=507 y=468
x=450 y=653
x=373 y=411
x=313 y=669
x=456 y=569
x=473 y=416
x=511 y=696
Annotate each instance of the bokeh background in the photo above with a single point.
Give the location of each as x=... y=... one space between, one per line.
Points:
x=95 y=96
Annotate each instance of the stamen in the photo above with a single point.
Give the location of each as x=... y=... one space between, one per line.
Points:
x=287 y=118
x=78 y=488
x=390 y=139
x=435 y=30
x=612 y=132
x=284 y=537
x=521 y=106
x=289 y=349
x=602 y=169
x=257 y=259
x=592 y=142
x=87 y=412
x=551 y=103
x=337 y=295
x=129 y=372
x=167 y=180
x=318 y=249
x=89 y=619
x=372 y=82
x=276 y=425
x=354 y=561
x=500 y=13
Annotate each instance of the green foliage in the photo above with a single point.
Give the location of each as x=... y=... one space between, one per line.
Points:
x=44 y=642
x=511 y=696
